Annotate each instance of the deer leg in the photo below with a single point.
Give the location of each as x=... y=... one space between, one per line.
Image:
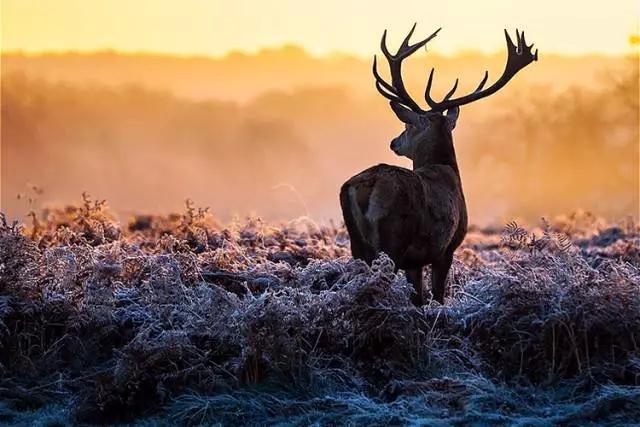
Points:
x=439 y=272
x=414 y=276
x=358 y=249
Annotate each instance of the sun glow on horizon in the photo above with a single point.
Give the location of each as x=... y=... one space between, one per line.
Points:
x=216 y=28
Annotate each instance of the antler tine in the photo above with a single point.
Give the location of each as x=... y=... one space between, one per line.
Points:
x=405 y=42
x=427 y=92
x=510 y=45
x=451 y=92
x=484 y=80
x=383 y=46
x=407 y=49
x=386 y=94
x=379 y=79
x=518 y=57
x=396 y=91
x=529 y=47
x=385 y=88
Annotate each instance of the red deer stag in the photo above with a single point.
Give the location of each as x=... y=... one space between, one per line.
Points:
x=418 y=217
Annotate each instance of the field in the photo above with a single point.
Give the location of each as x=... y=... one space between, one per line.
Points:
x=178 y=319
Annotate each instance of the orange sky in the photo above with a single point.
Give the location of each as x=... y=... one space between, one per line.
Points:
x=214 y=27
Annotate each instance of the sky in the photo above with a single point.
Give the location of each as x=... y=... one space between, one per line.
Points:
x=215 y=27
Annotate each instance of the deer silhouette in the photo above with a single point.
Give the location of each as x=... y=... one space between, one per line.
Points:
x=418 y=217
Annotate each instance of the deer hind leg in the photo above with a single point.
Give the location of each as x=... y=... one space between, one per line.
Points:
x=357 y=225
x=439 y=271
x=414 y=276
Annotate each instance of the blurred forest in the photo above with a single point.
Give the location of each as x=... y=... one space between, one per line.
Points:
x=277 y=132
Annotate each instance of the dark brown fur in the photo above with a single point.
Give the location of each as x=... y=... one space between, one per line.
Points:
x=418 y=217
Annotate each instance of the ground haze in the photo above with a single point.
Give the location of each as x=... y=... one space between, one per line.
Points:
x=277 y=132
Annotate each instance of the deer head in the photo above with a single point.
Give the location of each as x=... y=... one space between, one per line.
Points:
x=427 y=135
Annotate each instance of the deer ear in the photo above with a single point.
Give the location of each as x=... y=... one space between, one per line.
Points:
x=404 y=114
x=452 y=117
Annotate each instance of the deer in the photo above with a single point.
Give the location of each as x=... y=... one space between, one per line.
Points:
x=418 y=217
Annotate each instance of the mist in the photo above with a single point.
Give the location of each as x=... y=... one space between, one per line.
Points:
x=276 y=133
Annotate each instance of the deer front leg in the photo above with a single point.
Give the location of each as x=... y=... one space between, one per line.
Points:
x=439 y=271
x=414 y=276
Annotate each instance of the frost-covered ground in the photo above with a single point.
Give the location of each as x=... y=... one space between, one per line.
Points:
x=177 y=320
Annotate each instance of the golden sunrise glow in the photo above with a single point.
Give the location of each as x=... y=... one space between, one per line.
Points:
x=215 y=27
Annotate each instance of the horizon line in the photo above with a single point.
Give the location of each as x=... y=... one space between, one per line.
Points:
x=336 y=54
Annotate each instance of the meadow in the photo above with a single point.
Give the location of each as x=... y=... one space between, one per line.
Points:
x=180 y=319
x=144 y=311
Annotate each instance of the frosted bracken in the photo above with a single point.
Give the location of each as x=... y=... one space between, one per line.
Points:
x=177 y=319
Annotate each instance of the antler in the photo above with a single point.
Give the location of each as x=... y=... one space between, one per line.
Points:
x=518 y=57
x=396 y=91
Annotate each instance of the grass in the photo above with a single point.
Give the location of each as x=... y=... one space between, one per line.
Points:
x=179 y=320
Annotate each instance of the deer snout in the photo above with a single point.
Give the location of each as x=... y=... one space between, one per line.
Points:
x=395 y=145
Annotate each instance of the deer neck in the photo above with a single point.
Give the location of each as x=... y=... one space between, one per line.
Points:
x=438 y=152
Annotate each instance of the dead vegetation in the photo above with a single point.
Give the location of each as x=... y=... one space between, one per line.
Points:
x=185 y=321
